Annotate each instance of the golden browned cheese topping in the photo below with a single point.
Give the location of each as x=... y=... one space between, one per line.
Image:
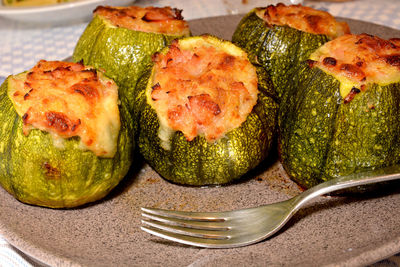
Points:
x=304 y=19
x=165 y=20
x=201 y=88
x=359 y=60
x=68 y=100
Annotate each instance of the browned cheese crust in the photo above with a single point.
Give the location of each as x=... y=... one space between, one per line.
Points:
x=203 y=90
x=359 y=60
x=304 y=19
x=66 y=99
x=164 y=20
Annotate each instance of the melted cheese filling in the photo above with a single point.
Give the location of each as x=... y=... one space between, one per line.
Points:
x=304 y=19
x=359 y=60
x=68 y=100
x=164 y=20
x=202 y=86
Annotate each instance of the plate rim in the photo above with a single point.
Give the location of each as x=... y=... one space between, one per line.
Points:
x=33 y=250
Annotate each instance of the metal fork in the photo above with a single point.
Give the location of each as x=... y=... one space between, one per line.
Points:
x=246 y=226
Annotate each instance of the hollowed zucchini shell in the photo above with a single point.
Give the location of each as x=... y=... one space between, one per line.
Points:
x=199 y=162
x=321 y=137
x=36 y=172
x=278 y=49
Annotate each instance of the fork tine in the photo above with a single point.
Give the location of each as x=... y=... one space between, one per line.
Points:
x=188 y=231
x=187 y=215
x=189 y=240
x=204 y=225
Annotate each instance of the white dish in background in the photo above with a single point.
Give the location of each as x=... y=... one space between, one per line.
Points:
x=77 y=10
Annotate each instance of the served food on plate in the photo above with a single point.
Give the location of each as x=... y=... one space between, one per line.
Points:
x=280 y=37
x=343 y=115
x=25 y=3
x=203 y=110
x=121 y=40
x=65 y=138
x=204 y=117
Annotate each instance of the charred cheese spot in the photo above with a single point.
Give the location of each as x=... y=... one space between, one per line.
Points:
x=304 y=19
x=165 y=20
x=329 y=61
x=67 y=100
x=25 y=118
x=352 y=71
x=162 y=14
x=395 y=41
x=60 y=122
x=393 y=60
x=360 y=60
x=88 y=90
x=354 y=91
x=51 y=172
x=200 y=87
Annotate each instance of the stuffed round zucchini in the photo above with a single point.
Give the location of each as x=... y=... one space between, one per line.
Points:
x=343 y=116
x=202 y=119
x=279 y=37
x=64 y=141
x=121 y=40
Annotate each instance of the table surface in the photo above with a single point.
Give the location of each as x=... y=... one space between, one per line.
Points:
x=23 y=44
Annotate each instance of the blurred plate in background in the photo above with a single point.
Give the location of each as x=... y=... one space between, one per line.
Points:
x=63 y=12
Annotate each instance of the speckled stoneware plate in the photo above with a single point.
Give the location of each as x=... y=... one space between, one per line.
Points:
x=344 y=231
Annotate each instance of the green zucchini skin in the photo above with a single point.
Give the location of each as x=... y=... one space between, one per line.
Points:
x=321 y=137
x=123 y=54
x=279 y=49
x=366 y=137
x=34 y=171
x=199 y=162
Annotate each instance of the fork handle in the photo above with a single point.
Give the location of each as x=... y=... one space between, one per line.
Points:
x=352 y=180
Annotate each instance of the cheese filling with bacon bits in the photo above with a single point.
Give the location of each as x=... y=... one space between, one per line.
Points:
x=304 y=19
x=202 y=86
x=68 y=100
x=163 y=20
x=359 y=60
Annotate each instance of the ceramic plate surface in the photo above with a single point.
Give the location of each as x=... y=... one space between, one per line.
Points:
x=345 y=231
x=63 y=12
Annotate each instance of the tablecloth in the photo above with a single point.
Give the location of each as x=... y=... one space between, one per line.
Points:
x=23 y=44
